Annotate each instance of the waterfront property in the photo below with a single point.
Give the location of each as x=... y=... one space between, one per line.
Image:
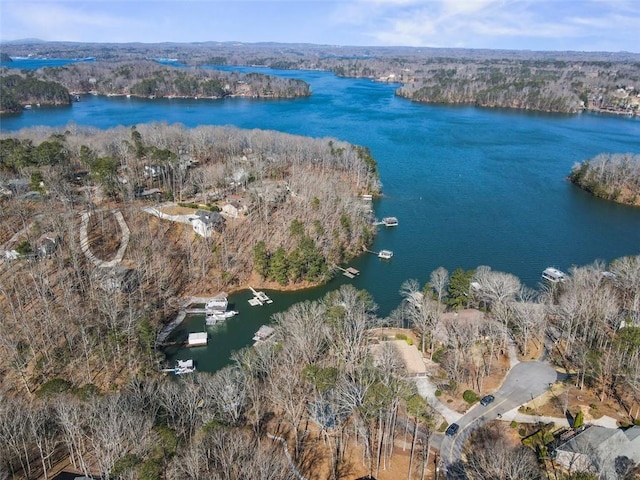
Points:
x=349 y=272
x=553 y=275
x=205 y=223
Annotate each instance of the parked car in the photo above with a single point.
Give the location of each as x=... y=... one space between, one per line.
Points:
x=486 y=400
x=452 y=429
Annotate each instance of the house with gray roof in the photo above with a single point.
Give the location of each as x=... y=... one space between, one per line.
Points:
x=607 y=452
x=205 y=223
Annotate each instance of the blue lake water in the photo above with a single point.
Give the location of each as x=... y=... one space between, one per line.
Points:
x=469 y=186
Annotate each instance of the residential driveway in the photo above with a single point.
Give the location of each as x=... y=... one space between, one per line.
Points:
x=427 y=390
x=525 y=382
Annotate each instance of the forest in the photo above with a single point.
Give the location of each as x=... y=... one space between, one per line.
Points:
x=287 y=183
x=143 y=78
x=568 y=82
x=17 y=91
x=614 y=177
x=330 y=397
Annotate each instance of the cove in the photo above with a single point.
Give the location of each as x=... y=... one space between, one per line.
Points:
x=469 y=186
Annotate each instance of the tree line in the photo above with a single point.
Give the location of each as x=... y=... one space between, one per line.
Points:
x=547 y=81
x=51 y=86
x=151 y=79
x=613 y=177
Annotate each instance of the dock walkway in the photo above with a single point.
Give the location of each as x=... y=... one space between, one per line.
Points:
x=259 y=298
x=161 y=339
x=349 y=272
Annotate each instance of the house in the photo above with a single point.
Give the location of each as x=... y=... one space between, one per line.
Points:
x=600 y=450
x=11 y=254
x=154 y=194
x=153 y=171
x=47 y=245
x=205 y=223
x=233 y=209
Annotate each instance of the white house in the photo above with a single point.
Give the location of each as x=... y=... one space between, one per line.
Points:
x=205 y=223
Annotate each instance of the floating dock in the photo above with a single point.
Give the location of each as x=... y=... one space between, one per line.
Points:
x=349 y=272
x=264 y=333
x=259 y=298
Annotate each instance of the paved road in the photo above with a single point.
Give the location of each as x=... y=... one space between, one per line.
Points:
x=525 y=382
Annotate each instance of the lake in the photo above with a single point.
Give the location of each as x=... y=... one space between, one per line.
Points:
x=469 y=186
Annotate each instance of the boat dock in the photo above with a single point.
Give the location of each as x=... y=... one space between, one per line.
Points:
x=197 y=339
x=387 y=222
x=384 y=254
x=349 y=272
x=264 y=333
x=259 y=298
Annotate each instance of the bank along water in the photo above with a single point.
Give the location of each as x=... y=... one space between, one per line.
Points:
x=469 y=186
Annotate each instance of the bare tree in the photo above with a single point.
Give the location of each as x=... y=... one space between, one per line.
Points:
x=490 y=455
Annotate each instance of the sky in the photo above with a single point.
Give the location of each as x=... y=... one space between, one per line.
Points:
x=580 y=25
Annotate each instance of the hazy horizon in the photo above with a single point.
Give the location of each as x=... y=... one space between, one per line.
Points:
x=541 y=25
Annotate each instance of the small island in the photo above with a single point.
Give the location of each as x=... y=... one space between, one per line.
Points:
x=614 y=177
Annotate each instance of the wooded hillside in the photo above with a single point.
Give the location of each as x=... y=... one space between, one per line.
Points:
x=65 y=316
x=147 y=78
x=548 y=81
x=613 y=177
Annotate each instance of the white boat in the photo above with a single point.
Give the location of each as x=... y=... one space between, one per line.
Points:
x=184 y=366
x=553 y=275
x=390 y=221
x=385 y=254
x=216 y=317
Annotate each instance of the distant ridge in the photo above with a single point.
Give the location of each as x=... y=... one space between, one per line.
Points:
x=23 y=41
